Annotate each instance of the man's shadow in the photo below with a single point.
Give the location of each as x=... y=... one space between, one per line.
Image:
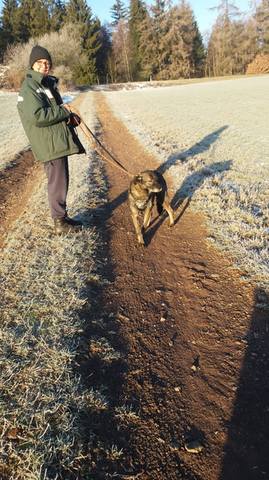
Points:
x=246 y=450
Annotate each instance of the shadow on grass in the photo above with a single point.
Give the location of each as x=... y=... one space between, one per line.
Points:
x=192 y=183
x=246 y=451
x=195 y=180
x=100 y=360
x=197 y=148
x=182 y=197
x=101 y=429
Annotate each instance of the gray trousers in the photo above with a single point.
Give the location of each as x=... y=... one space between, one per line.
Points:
x=58 y=181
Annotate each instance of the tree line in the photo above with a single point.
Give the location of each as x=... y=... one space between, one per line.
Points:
x=160 y=41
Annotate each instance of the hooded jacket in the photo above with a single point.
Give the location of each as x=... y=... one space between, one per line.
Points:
x=44 y=118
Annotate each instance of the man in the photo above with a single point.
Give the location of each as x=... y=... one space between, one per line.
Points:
x=50 y=128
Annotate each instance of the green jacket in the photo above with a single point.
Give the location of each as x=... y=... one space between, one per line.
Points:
x=44 y=118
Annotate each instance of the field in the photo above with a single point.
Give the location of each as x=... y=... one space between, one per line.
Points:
x=13 y=138
x=130 y=363
x=212 y=140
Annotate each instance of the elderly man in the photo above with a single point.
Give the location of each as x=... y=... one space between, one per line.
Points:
x=50 y=128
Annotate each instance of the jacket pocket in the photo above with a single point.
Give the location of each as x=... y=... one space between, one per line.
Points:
x=58 y=138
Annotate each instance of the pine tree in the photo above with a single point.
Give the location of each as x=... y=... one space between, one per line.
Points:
x=153 y=39
x=171 y=42
x=198 y=52
x=120 y=58
x=118 y=12
x=244 y=38
x=2 y=44
x=8 y=33
x=80 y=14
x=39 y=18
x=221 y=59
x=103 y=54
x=186 y=50
x=31 y=20
x=262 y=22
x=137 y=16
x=56 y=11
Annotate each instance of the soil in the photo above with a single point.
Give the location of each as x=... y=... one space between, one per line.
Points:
x=196 y=338
x=17 y=181
x=194 y=332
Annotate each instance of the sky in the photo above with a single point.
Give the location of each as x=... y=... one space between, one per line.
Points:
x=204 y=16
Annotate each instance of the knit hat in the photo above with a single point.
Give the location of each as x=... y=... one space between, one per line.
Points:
x=39 y=53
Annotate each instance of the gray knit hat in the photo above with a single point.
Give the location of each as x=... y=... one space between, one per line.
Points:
x=39 y=53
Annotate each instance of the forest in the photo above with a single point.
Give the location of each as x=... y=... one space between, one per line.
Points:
x=157 y=42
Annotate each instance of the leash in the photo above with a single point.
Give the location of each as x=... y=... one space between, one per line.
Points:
x=90 y=135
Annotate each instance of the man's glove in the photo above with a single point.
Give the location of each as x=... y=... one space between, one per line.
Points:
x=73 y=120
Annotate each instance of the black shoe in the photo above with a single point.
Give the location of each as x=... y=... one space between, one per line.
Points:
x=71 y=221
x=66 y=225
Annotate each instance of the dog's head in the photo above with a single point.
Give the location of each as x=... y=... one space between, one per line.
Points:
x=149 y=181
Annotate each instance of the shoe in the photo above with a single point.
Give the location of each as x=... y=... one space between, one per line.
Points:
x=71 y=221
x=66 y=225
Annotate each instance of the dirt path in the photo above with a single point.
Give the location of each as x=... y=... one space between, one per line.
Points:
x=16 y=184
x=196 y=336
x=197 y=343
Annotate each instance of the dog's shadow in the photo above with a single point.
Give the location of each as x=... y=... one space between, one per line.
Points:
x=183 y=196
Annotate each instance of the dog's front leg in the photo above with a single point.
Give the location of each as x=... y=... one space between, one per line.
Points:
x=147 y=216
x=170 y=212
x=138 y=229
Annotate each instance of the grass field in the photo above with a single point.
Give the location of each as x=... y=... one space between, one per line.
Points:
x=212 y=140
x=13 y=138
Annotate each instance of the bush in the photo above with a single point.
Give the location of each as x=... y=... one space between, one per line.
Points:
x=16 y=58
x=260 y=64
x=65 y=50
x=65 y=76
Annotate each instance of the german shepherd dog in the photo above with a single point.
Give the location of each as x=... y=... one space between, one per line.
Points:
x=145 y=188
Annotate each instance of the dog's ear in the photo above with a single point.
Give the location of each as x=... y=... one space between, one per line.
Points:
x=138 y=179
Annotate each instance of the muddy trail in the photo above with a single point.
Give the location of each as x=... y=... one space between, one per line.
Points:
x=196 y=339
x=195 y=335
x=17 y=181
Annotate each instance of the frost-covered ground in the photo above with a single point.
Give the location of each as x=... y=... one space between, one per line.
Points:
x=43 y=277
x=212 y=139
x=13 y=138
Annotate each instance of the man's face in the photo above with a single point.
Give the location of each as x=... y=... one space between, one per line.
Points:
x=42 y=66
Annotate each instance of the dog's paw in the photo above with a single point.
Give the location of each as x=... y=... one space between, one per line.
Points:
x=141 y=241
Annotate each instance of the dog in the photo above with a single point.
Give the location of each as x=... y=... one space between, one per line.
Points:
x=145 y=188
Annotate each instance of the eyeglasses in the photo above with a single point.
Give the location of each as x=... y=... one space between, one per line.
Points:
x=43 y=62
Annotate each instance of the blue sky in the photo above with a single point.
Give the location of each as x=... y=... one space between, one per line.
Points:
x=205 y=18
